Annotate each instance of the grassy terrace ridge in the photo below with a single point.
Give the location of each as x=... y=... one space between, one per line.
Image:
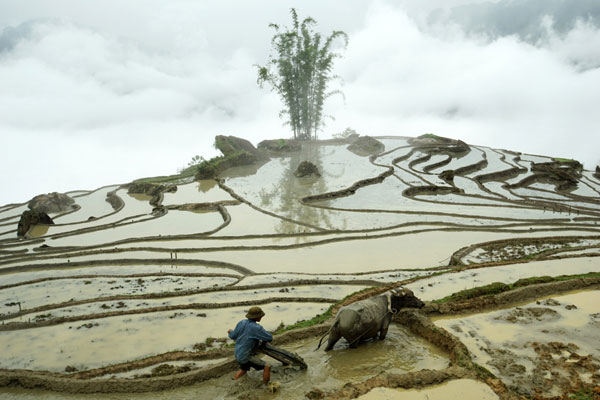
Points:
x=558 y=159
x=188 y=172
x=499 y=287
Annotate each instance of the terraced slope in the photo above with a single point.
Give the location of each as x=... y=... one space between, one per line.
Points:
x=134 y=277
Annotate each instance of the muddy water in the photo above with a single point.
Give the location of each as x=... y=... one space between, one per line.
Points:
x=63 y=290
x=388 y=196
x=275 y=188
x=206 y=191
x=224 y=296
x=391 y=276
x=38 y=231
x=92 y=205
x=247 y=221
x=12 y=278
x=536 y=345
x=418 y=250
x=444 y=285
x=100 y=342
x=496 y=187
x=460 y=389
x=173 y=223
x=399 y=352
x=132 y=207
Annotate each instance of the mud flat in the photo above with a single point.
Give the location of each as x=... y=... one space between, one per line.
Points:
x=548 y=347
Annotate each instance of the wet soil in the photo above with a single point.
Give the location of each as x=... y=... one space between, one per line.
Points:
x=543 y=349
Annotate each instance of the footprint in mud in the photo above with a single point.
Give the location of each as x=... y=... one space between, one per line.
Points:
x=529 y=315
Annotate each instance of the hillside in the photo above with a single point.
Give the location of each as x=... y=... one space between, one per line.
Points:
x=131 y=277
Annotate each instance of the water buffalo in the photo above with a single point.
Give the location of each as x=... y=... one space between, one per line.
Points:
x=366 y=318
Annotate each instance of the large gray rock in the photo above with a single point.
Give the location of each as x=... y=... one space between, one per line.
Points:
x=31 y=218
x=51 y=203
x=366 y=146
x=231 y=145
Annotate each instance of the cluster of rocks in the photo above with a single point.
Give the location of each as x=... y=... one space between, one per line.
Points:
x=151 y=189
x=306 y=168
x=39 y=208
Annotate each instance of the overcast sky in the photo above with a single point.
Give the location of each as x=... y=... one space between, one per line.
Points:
x=102 y=92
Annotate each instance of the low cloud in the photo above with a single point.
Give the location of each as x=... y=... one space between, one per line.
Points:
x=87 y=102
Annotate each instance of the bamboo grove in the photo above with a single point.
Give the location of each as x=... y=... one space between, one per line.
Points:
x=300 y=73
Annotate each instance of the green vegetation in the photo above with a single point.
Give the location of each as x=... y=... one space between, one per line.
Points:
x=499 y=287
x=300 y=73
x=429 y=136
x=307 y=323
x=584 y=395
x=493 y=288
x=558 y=159
x=183 y=174
x=209 y=169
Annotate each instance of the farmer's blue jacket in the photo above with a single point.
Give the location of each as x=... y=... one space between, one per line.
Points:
x=246 y=334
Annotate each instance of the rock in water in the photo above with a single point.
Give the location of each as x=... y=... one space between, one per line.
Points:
x=51 y=203
x=366 y=146
x=232 y=145
x=306 y=168
x=31 y=218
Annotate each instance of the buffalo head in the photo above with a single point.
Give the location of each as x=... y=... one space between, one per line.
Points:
x=404 y=298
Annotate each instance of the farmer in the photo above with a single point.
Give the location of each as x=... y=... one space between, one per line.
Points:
x=247 y=335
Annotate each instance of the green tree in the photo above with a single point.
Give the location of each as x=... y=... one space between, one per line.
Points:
x=301 y=73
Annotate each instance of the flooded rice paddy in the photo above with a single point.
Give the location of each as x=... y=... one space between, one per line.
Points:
x=145 y=281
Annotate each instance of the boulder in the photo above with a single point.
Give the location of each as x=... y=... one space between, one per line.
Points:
x=306 y=168
x=51 y=203
x=447 y=175
x=31 y=218
x=366 y=146
x=231 y=145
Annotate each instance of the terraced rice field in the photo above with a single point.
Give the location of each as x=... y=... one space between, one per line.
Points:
x=116 y=289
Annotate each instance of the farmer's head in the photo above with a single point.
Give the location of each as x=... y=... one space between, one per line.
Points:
x=255 y=313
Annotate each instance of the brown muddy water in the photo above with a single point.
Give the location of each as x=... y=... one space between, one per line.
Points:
x=103 y=341
x=399 y=352
x=459 y=389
